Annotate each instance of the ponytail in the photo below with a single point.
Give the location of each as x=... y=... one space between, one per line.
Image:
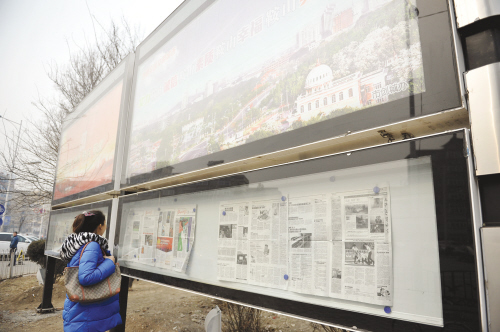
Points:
x=88 y=221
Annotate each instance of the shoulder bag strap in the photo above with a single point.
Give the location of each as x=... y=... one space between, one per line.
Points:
x=81 y=253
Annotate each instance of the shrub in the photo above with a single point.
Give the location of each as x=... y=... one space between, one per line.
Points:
x=236 y=318
x=325 y=328
x=36 y=253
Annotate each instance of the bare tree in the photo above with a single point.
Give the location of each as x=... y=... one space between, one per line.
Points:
x=90 y=64
x=32 y=162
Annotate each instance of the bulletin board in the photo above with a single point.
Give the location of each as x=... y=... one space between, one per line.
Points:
x=424 y=257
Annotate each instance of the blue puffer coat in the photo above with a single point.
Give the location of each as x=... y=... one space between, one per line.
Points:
x=99 y=316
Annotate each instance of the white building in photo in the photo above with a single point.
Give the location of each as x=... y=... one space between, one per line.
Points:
x=323 y=94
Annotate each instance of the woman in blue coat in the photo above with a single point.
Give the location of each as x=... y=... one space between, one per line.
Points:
x=94 y=266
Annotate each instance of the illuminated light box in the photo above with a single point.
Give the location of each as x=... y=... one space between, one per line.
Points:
x=87 y=162
x=376 y=238
x=223 y=81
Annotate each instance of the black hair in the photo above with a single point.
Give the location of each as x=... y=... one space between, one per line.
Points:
x=88 y=221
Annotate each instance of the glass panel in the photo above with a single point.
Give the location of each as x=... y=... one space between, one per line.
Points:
x=87 y=147
x=232 y=75
x=86 y=163
x=323 y=239
x=326 y=239
x=61 y=224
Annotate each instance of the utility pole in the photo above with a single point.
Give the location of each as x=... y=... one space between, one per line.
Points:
x=41 y=226
x=13 y=165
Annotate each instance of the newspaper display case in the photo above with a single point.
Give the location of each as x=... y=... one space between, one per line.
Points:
x=221 y=81
x=61 y=223
x=363 y=211
x=89 y=157
x=378 y=238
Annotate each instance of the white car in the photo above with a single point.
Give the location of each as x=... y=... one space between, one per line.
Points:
x=30 y=237
x=5 y=238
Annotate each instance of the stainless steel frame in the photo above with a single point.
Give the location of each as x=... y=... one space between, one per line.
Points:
x=124 y=118
x=460 y=60
x=483 y=85
x=469 y=11
x=350 y=329
x=477 y=222
x=112 y=224
x=491 y=247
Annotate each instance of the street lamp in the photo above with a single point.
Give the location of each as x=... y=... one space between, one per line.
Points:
x=13 y=164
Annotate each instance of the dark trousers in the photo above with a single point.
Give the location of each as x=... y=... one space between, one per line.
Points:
x=15 y=258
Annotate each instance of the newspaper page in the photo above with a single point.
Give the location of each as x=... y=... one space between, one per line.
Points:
x=164 y=242
x=183 y=241
x=252 y=245
x=148 y=237
x=233 y=250
x=336 y=245
x=336 y=249
x=361 y=264
x=161 y=237
x=131 y=240
x=268 y=242
x=308 y=244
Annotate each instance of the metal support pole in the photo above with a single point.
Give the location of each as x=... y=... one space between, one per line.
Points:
x=10 y=173
x=46 y=305
x=123 y=304
x=41 y=227
x=12 y=260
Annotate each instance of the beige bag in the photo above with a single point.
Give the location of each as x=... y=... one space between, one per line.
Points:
x=94 y=293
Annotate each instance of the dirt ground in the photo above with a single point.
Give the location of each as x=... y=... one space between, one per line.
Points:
x=150 y=308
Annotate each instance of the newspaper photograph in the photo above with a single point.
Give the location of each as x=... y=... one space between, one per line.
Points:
x=366 y=216
x=183 y=240
x=365 y=279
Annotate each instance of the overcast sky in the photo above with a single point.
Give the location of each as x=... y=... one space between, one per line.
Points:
x=34 y=33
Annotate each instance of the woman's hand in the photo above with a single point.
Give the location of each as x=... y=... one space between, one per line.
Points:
x=110 y=257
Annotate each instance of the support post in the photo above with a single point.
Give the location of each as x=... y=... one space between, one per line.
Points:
x=12 y=260
x=48 y=285
x=123 y=304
